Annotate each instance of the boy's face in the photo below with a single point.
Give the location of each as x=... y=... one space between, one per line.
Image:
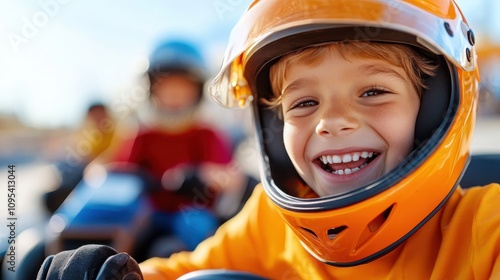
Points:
x=175 y=92
x=347 y=122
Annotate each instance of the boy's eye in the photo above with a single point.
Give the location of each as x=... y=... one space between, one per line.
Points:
x=374 y=92
x=303 y=104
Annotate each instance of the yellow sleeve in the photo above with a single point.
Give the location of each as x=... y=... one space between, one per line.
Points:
x=471 y=237
x=486 y=236
x=237 y=245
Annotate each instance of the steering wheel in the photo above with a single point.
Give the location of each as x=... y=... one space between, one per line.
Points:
x=220 y=274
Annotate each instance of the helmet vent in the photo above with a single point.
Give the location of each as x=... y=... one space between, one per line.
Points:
x=373 y=226
x=334 y=232
x=378 y=221
x=309 y=231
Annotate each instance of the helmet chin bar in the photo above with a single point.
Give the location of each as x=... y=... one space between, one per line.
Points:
x=387 y=249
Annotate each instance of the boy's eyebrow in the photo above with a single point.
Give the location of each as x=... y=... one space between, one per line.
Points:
x=367 y=69
x=373 y=69
x=298 y=83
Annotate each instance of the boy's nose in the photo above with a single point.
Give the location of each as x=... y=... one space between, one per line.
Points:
x=336 y=121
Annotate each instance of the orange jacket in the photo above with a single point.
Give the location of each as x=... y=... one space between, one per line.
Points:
x=462 y=241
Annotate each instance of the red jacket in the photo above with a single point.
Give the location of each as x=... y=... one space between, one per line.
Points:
x=157 y=151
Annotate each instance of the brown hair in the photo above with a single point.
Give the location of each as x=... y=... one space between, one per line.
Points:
x=415 y=65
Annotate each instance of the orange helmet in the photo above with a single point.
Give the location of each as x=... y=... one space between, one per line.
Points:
x=361 y=225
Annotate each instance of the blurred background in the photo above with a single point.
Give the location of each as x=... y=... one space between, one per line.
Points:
x=59 y=56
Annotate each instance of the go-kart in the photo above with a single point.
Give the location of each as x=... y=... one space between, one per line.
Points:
x=109 y=206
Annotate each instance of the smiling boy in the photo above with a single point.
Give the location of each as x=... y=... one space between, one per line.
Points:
x=364 y=113
x=349 y=111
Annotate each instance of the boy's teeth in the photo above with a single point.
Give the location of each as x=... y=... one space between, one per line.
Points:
x=336 y=159
x=329 y=159
x=348 y=170
x=345 y=158
x=355 y=157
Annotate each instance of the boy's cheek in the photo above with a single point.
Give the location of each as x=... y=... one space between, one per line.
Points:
x=290 y=140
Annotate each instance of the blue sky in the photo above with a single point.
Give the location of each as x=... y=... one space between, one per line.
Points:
x=56 y=56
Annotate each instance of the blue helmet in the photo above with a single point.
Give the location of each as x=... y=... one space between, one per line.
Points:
x=177 y=57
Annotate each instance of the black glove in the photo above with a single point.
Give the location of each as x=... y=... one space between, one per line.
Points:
x=90 y=262
x=192 y=184
x=184 y=181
